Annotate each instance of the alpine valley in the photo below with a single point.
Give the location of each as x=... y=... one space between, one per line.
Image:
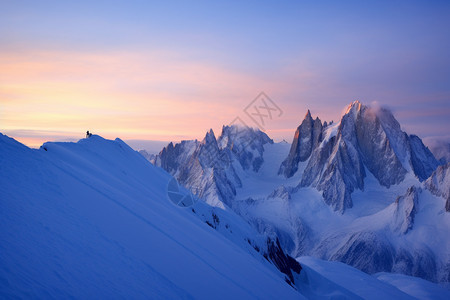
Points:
x=353 y=209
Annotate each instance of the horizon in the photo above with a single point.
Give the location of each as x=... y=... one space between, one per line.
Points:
x=151 y=72
x=155 y=146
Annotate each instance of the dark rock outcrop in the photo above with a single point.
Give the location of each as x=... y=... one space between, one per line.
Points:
x=285 y=263
x=422 y=160
x=307 y=137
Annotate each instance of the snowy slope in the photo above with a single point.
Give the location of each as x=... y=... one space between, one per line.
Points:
x=92 y=219
x=419 y=288
x=412 y=234
x=307 y=226
x=324 y=280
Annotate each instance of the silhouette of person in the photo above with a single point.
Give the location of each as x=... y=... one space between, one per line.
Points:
x=88 y=134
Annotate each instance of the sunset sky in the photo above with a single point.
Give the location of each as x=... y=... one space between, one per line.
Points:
x=143 y=70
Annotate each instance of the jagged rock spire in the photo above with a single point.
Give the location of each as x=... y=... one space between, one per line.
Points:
x=306 y=138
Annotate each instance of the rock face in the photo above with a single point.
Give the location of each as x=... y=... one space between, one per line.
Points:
x=170 y=157
x=281 y=193
x=372 y=253
x=368 y=249
x=247 y=145
x=373 y=139
x=338 y=155
x=439 y=184
x=422 y=160
x=406 y=207
x=206 y=167
x=282 y=261
x=202 y=167
x=307 y=137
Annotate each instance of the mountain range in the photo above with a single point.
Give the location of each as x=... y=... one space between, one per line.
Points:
x=347 y=210
x=360 y=191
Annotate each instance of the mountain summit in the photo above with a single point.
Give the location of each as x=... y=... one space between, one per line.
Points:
x=206 y=167
x=338 y=155
x=307 y=137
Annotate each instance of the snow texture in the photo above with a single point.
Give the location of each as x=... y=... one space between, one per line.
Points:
x=92 y=220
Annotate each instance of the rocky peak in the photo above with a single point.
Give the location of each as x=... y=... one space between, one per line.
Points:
x=366 y=138
x=307 y=137
x=209 y=137
x=236 y=135
x=246 y=143
x=308 y=116
x=209 y=154
x=354 y=108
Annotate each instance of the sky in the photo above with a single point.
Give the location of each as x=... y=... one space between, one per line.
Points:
x=170 y=70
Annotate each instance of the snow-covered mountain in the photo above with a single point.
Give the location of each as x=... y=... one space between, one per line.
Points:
x=439 y=183
x=147 y=156
x=352 y=191
x=206 y=167
x=94 y=219
x=365 y=139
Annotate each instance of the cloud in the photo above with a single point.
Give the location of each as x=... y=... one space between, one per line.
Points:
x=137 y=95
